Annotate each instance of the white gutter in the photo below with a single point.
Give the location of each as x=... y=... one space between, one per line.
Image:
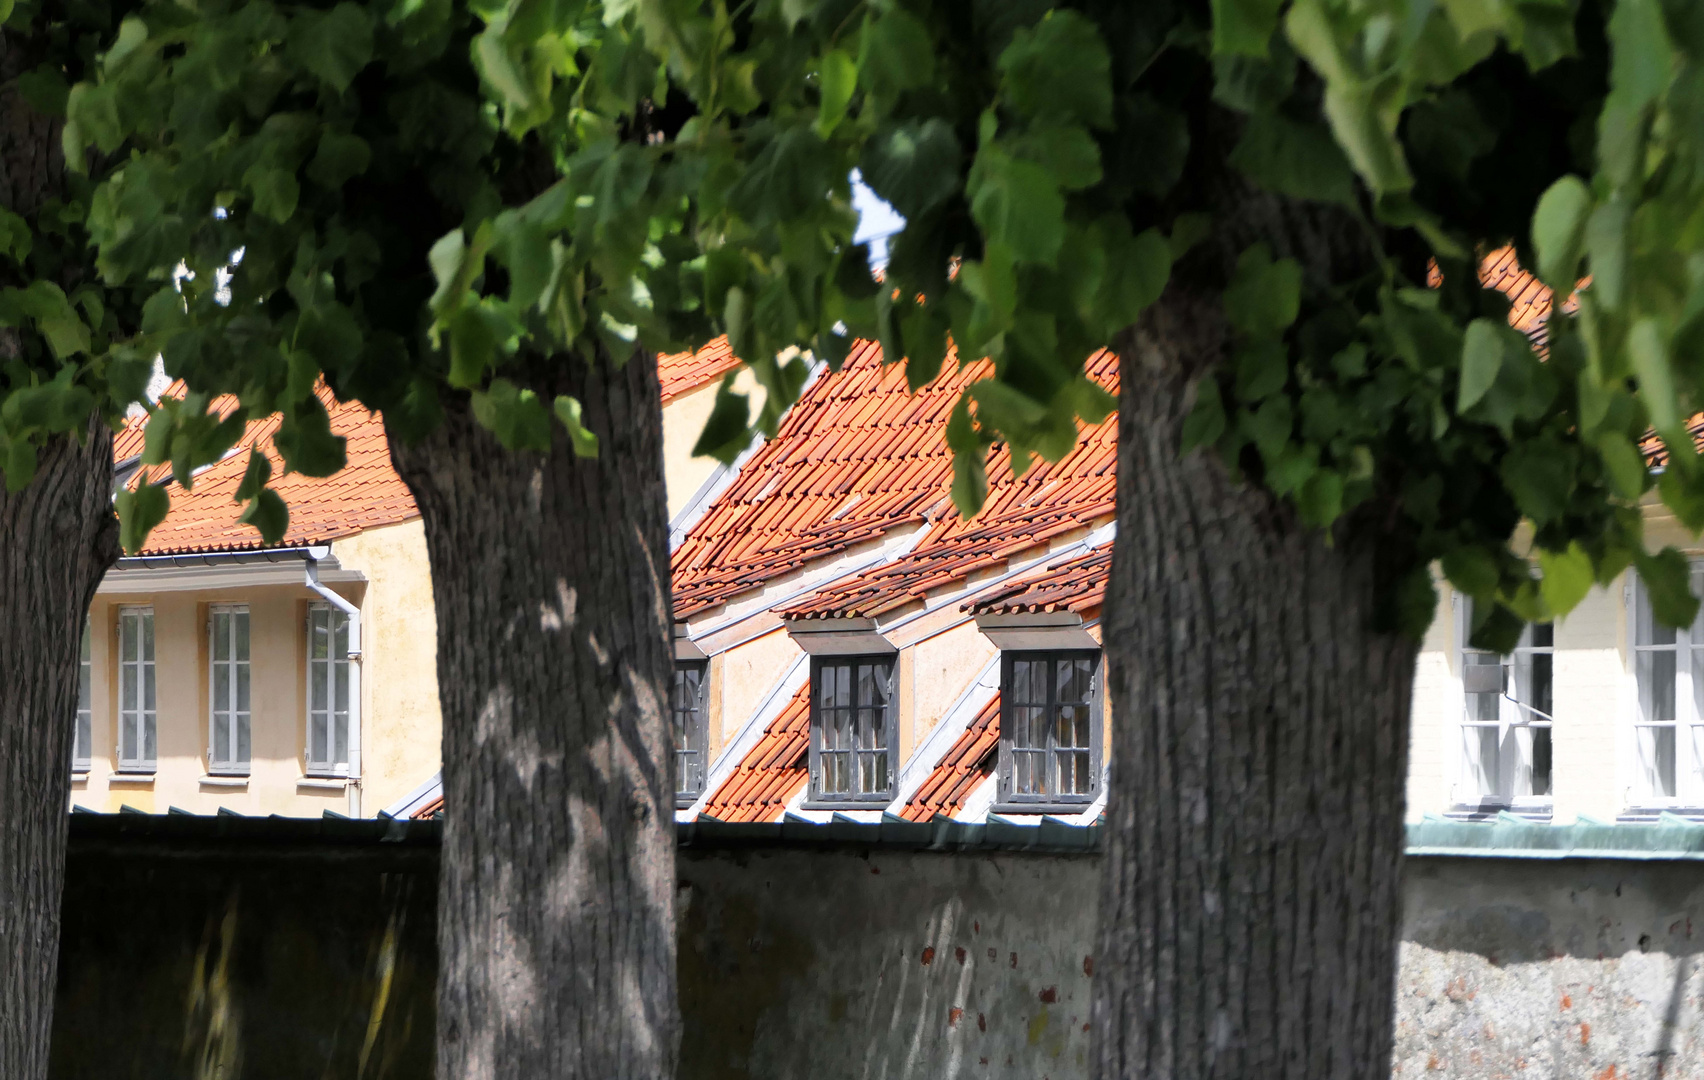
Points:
x=311 y=564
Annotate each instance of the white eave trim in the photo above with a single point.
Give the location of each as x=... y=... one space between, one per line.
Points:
x=838 y=637
x=141 y=574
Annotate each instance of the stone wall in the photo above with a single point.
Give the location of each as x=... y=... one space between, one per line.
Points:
x=242 y=948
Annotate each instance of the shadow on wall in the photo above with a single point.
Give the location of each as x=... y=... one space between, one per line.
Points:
x=241 y=960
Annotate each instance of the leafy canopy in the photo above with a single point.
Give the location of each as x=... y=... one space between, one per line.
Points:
x=429 y=196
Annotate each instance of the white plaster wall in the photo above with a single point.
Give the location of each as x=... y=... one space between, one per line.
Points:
x=1430 y=753
x=1590 y=677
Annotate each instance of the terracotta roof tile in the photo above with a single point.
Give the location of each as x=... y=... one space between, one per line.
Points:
x=961 y=770
x=860 y=455
x=366 y=494
x=682 y=372
x=1075 y=584
x=772 y=772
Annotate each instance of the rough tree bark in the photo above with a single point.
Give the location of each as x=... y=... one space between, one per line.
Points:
x=551 y=583
x=1251 y=898
x=57 y=537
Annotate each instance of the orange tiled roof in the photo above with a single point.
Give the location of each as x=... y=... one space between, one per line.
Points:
x=860 y=455
x=773 y=772
x=366 y=494
x=681 y=372
x=1075 y=584
x=436 y=806
x=961 y=769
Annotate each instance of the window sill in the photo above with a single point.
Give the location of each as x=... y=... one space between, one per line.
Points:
x=1075 y=809
x=875 y=802
x=684 y=801
x=141 y=779
x=230 y=780
x=1651 y=815
x=329 y=782
x=1540 y=813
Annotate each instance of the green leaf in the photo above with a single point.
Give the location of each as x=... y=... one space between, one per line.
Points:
x=1668 y=582
x=583 y=439
x=1320 y=502
x=970 y=471
x=727 y=432
x=837 y=77
x=1568 y=577
x=1017 y=203
x=1300 y=160
x=517 y=417
x=1606 y=243
x=1243 y=27
x=255 y=477
x=1060 y=68
x=1540 y=480
x=91 y=118
x=335 y=45
x=305 y=441
x=1263 y=297
x=266 y=512
x=897 y=54
x=1472 y=570
x=1649 y=352
x=913 y=165
x=923 y=331
x=1624 y=464
x=1263 y=367
x=1684 y=495
x=140 y=509
x=339 y=158
x=1559 y=230
x=1205 y=423
x=15 y=239
x=1481 y=359
x=276 y=191
x=132 y=34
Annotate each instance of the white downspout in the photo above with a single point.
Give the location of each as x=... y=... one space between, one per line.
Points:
x=354 y=614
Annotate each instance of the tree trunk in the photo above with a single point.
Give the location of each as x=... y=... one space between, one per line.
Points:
x=1250 y=906
x=57 y=537
x=551 y=583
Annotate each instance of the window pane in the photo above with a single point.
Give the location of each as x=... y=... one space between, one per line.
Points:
x=1656 y=759
x=221 y=636
x=318 y=744
x=242 y=688
x=1656 y=685
x=148 y=687
x=242 y=740
x=240 y=628
x=221 y=687
x=85 y=680
x=148 y=752
x=147 y=635
x=222 y=738
x=340 y=739
x=319 y=694
x=340 y=685
x=1650 y=631
x=1543 y=635
x=127 y=737
x=1541 y=761
x=128 y=635
x=1480 y=746
x=85 y=732
x=1541 y=696
x=318 y=635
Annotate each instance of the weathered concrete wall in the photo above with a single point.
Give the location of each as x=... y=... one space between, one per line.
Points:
x=1582 y=968
x=273 y=952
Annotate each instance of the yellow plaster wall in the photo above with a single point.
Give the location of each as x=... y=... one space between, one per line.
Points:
x=683 y=422
x=942 y=669
x=747 y=673
x=402 y=726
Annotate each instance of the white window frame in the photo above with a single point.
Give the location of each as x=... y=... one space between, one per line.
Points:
x=83 y=727
x=337 y=671
x=1688 y=718
x=136 y=675
x=239 y=671
x=1517 y=724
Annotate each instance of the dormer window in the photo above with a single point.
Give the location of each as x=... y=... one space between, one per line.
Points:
x=691 y=729
x=853 y=731
x=1050 y=730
